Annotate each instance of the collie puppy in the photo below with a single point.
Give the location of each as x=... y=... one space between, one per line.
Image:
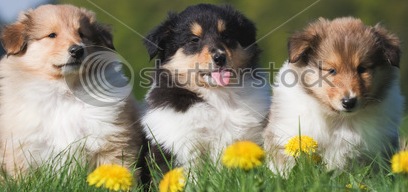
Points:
x=205 y=94
x=47 y=111
x=340 y=87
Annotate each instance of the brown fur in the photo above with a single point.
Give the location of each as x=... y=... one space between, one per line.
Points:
x=182 y=66
x=221 y=26
x=196 y=29
x=66 y=21
x=33 y=57
x=345 y=45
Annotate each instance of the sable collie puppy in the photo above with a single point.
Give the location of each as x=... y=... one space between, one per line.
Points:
x=204 y=94
x=41 y=117
x=340 y=87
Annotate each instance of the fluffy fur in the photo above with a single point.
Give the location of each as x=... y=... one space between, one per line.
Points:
x=189 y=113
x=40 y=116
x=340 y=87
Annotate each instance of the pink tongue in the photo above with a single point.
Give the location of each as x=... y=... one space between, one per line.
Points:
x=221 y=77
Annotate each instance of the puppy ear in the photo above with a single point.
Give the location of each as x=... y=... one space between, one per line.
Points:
x=14 y=37
x=389 y=45
x=155 y=40
x=244 y=29
x=105 y=35
x=301 y=44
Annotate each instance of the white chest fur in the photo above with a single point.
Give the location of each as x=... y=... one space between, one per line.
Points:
x=226 y=115
x=42 y=117
x=339 y=137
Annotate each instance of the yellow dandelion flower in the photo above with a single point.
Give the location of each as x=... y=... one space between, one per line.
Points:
x=297 y=144
x=173 y=181
x=243 y=154
x=112 y=177
x=399 y=162
x=362 y=187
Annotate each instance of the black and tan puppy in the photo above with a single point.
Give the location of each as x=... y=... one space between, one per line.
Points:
x=205 y=95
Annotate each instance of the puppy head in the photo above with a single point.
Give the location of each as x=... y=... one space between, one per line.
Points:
x=52 y=40
x=204 y=43
x=345 y=64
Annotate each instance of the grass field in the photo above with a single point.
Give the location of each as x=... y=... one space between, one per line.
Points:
x=306 y=176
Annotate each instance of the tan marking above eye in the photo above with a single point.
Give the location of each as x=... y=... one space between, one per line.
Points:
x=221 y=26
x=196 y=29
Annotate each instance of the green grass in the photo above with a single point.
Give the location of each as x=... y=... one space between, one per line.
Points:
x=213 y=177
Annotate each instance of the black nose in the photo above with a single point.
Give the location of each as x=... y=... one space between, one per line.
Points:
x=219 y=59
x=76 y=51
x=349 y=103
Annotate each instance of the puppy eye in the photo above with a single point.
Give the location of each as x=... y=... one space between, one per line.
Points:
x=52 y=35
x=194 y=39
x=81 y=34
x=332 y=71
x=361 y=69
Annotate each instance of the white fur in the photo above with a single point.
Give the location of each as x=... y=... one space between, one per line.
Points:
x=41 y=117
x=226 y=115
x=339 y=137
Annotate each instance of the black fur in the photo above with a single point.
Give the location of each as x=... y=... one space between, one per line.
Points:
x=169 y=94
x=174 y=33
x=153 y=155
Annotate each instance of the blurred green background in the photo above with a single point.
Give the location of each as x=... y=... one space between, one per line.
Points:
x=275 y=20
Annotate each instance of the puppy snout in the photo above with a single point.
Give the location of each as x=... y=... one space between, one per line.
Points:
x=219 y=59
x=349 y=103
x=76 y=51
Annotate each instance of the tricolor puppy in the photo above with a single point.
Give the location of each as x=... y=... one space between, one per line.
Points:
x=204 y=96
x=340 y=87
x=40 y=116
